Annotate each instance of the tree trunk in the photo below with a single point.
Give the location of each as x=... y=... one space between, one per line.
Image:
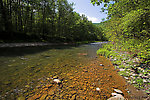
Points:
x=3 y=14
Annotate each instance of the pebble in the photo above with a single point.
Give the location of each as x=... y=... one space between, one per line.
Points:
x=140 y=75
x=117 y=97
x=57 y=81
x=128 y=91
x=144 y=81
x=122 y=69
x=97 y=89
x=101 y=64
x=115 y=59
x=126 y=78
x=118 y=91
x=133 y=82
x=113 y=94
x=133 y=74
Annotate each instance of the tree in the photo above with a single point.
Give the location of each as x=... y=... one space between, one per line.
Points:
x=44 y=20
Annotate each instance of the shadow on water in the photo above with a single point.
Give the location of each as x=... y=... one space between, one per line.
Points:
x=22 y=51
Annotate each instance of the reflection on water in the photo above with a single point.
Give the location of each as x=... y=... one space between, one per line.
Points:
x=25 y=66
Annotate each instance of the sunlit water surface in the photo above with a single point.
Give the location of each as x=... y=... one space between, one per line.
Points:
x=23 y=67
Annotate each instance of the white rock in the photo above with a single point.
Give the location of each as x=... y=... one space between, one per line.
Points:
x=115 y=59
x=128 y=91
x=128 y=81
x=97 y=89
x=122 y=69
x=144 y=81
x=127 y=72
x=113 y=94
x=133 y=74
x=126 y=78
x=117 y=97
x=133 y=82
x=57 y=80
x=118 y=91
x=101 y=64
x=140 y=75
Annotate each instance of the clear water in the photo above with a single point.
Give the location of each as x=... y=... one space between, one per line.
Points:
x=24 y=66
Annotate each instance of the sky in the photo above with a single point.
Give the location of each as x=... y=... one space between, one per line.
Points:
x=92 y=12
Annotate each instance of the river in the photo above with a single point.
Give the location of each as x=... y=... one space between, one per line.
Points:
x=28 y=72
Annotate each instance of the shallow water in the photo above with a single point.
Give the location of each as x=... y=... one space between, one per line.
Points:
x=23 y=67
x=26 y=74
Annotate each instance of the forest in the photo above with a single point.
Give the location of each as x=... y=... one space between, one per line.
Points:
x=74 y=72
x=45 y=21
x=128 y=25
x=128 y=28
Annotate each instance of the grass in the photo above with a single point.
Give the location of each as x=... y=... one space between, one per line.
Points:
x=127 y=52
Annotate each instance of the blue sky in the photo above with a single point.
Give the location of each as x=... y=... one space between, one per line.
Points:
x=92 y=12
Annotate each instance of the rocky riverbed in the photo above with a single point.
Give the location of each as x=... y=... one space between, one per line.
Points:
x=60 y=73
x=81 y=83
x=96 y=80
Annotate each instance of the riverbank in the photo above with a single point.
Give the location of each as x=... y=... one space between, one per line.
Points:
x=129 y=66
x=3 y=45
x=29 y=44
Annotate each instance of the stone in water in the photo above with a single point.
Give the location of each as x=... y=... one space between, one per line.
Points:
x=117 y=97
x=113 y=94
x=57 y=81
x=118 y=91
x=101 y=64
x=98 y=89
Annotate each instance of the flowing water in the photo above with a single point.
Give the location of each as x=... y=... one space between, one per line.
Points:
x=27 y=72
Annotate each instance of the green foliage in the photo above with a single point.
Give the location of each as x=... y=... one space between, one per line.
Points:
x=139 y=81
x=45 y=20
x=123 y=73
x=128 y=27
x=103 y=52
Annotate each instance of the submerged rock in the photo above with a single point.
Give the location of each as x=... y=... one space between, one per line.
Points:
x=117 y=97
x=118 y=91
x=97 y=89
x=57 y=81
x=101 y=64
x=113 y=94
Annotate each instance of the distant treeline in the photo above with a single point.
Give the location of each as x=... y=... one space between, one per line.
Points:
x=44 y=20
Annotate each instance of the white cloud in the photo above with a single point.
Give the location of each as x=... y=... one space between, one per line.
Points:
x=93 y=19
